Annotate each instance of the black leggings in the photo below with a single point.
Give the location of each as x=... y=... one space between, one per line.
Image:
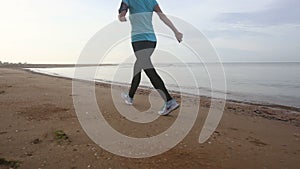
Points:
x=143 y=51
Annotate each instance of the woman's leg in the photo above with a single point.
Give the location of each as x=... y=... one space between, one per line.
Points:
x=158 y=83
x=136 y=79
x=138 y=65
x=143 y=51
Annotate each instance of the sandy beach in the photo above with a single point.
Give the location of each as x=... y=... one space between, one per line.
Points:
x=39 y=129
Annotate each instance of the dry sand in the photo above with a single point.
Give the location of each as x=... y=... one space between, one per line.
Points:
x=33 y=107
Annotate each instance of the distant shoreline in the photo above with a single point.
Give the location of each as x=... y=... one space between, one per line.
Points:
x=24 y=65
x=50 y=65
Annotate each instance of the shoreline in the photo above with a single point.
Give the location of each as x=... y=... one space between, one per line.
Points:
x=259 y=103
x=38 y=121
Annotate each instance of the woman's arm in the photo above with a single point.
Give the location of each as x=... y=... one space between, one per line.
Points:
x=169 y=23
x=122 y=12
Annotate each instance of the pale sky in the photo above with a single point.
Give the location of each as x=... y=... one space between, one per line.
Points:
x=55 y=31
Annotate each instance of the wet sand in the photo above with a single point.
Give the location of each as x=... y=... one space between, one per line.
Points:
x=39 y=129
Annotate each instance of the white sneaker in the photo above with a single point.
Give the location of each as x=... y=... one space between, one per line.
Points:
x=128 y=100
x=168 y=107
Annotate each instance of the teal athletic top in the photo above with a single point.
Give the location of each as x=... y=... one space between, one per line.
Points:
x=140 y=17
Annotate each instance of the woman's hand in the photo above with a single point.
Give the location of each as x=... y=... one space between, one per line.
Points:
x=179 y=36
x=122 y=12
x=122 y=18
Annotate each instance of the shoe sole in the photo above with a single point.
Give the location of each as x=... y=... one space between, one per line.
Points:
x=170 y=110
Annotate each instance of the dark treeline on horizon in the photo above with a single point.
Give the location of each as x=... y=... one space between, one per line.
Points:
x=11 y=63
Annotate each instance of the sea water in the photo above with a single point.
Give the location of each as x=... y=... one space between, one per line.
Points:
x=266 y=83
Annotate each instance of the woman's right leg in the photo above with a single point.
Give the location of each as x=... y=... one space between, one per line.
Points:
x=141 y=50
x=136 y=79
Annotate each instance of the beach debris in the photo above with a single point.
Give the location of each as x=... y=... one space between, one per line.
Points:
x=9 y=138
x=36 y=141
x=273 y=115
x=29 y=154
x=2 y=92
x=11 y=164
x=231 y=108
x=61 y=136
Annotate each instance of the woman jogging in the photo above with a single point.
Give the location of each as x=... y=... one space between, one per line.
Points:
x=144 y=42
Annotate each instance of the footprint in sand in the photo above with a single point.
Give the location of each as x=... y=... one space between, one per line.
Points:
x=234 y=129
x=256 y=142
x=3 y=132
